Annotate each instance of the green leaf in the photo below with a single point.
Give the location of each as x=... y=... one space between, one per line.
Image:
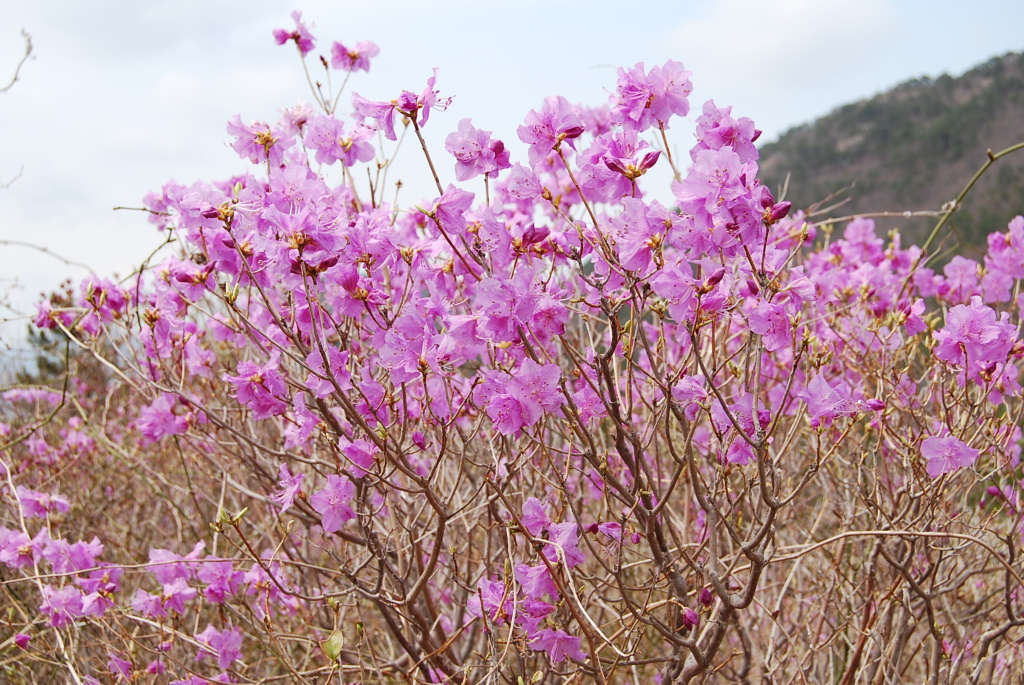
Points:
x=332 y=645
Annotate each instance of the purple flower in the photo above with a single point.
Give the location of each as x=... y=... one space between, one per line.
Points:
x=534 y=518
x=536 y=581
x=946 y=455
x=771 y=322
x=221 y=579
x=824 y=402
x=62 y=606
x=289 y=487
x=261 y=388
x=642 y=99
x=301 y=35
x=564 y=538
x=475 y=153
x=159 y=420
x=327 y=136
x=332 y=502
x=257 y=142
x=407 y=104
x=558 y=644
x=119 y=667
x=224 y=644
x=40 y=504
x=495 y=599
x=544 y=130
x=353 y=59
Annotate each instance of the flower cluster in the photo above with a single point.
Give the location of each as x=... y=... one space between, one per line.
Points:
x=542 y=418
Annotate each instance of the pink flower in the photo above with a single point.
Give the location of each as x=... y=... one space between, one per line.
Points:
x=303 y=38
x=556 y=121
x=353 y=59
x=558 y=644
x=40 y=504
x=771 y=322
x=475 y=153
x=495 y=599
x=332 y=502
x=946 y=455
x=261 y=388
x=257 y=142
x=289 y=487
x=224 y=644
x=824 y=402
x=641 y=100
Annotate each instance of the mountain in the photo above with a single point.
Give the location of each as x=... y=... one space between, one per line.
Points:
x=914 y=148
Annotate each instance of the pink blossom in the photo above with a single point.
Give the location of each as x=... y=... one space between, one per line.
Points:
x=332 y=503
x=558 y=644
x=303 y=38
x=353 y=58
x=946 y=455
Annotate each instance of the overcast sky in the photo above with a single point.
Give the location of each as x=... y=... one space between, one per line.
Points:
x=122 y=95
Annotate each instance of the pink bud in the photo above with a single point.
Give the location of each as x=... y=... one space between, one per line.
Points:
x=778 y=212
x=649 y=159
x=875 y=404
x=712 y=280
x=705 y=596
x=690 y=618
x=21 y=640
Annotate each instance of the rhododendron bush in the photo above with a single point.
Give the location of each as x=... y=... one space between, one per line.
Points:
x=540 y=428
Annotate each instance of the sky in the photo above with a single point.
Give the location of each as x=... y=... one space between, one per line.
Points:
x=121 y=96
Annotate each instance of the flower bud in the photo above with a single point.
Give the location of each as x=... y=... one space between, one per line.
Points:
x=712 y=280
x=690 y=619
x=705 y=597
x=777 y=212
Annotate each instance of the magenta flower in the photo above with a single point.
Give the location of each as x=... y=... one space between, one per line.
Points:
x=327 y=136
x=770 y=321
x=407 y=104
x=536 y=581
x=493 y=597
x=946 y=455
x=534 y=518
x=303 y=38
x=289 y=487
x=119 y=667
x=257 y=142
x=40 y=504
x=558 y=644
x=261 y=388
x=62 y=606
x=475 y=153
x=641 y=100
x=973 y=334
x=544 y=130
x=332 y=502
x=221 y=578
x=224 y=644
x=353 y=59
x=824 y=402
x=159 y=420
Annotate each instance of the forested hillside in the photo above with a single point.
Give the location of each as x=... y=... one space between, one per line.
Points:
x=913 y=148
